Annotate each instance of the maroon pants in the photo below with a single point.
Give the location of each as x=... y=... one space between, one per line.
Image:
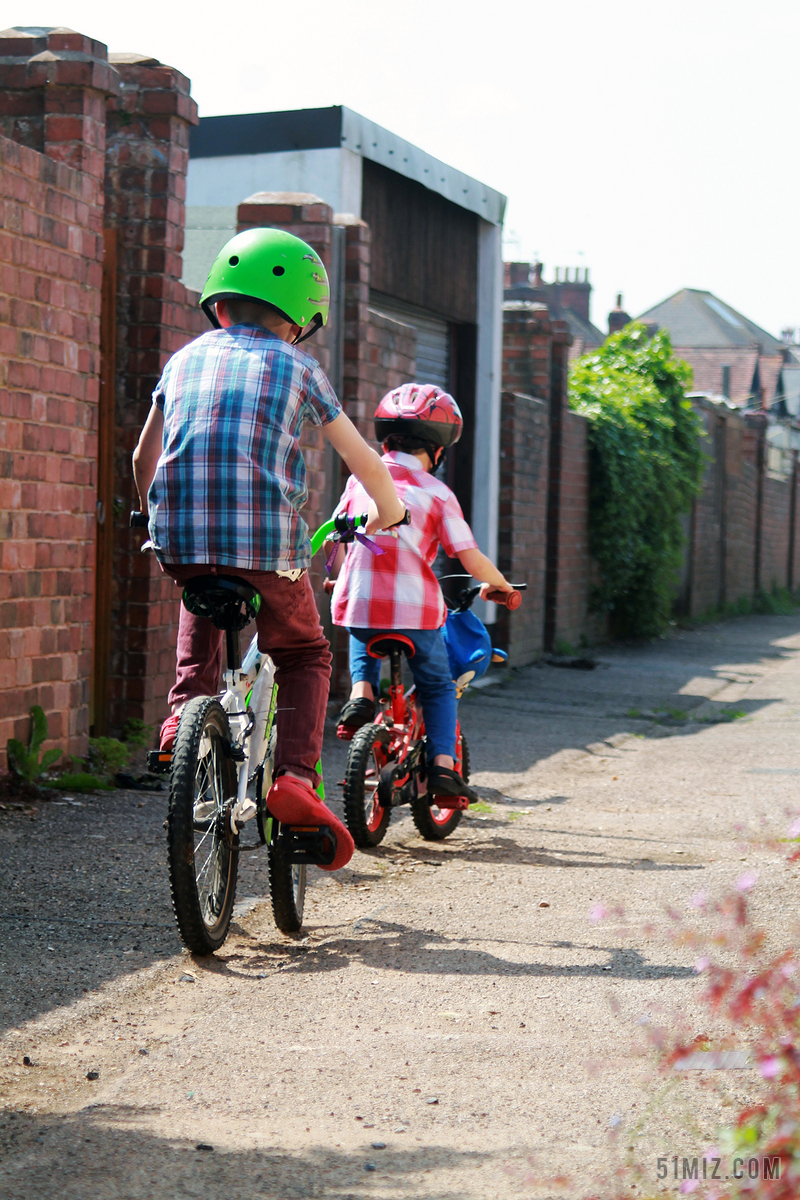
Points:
x=289 y=631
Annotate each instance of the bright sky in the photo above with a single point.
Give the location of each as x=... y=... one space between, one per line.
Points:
x=652 y=142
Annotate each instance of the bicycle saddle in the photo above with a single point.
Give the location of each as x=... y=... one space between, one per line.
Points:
x=382 y=645
x=228 y=602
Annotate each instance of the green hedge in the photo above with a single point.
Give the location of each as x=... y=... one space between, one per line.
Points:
x=646 y=463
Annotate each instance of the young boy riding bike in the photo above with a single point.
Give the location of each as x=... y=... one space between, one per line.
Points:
x=397 y=591
x=219 y=468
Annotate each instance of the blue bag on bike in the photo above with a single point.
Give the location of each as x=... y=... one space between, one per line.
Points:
x=469 y=646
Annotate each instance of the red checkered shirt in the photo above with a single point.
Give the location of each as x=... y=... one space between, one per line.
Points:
x=398 y=589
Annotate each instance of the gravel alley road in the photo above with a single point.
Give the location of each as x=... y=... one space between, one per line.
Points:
x=450 y=1014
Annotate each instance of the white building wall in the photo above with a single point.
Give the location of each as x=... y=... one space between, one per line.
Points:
x=215 y=187
x=486 y=460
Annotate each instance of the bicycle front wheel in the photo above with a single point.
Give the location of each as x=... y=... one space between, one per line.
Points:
x=434 y=823
x=366 y=818
x=203 y=853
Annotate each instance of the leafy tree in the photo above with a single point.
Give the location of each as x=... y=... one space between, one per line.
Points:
x=645 y=469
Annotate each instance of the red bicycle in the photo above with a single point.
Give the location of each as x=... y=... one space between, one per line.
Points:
x=386 y=764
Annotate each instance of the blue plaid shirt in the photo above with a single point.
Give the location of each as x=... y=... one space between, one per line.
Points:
x=231 y=478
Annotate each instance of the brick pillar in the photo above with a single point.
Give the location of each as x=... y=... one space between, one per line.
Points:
x=146 y=160
x=53 y=89
x=527 y=341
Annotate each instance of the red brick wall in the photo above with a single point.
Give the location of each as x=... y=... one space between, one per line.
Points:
x=740 y=533
x=522 y=538
x=741 y=457
x=775 y=525
x=50 y=273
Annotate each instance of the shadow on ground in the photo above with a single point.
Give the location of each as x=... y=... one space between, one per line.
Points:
x=80 y=1155
x=392 y=946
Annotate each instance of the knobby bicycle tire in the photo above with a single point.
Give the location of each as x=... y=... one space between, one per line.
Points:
x=427 y=825
x=287 y=889
x=198 y=835
x=367 y=828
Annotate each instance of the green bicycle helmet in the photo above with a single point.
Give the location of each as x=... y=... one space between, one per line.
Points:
x=274 y=267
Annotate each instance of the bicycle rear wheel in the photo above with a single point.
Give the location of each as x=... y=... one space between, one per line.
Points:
x=434 y=823
x=203 y=853
x=287 y=889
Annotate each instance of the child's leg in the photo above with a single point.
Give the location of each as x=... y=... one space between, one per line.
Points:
x=290 y=632
x=199 y=650
x=430 y=667
x=365 y=671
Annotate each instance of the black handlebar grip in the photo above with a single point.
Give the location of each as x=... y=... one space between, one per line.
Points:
x=138 y=520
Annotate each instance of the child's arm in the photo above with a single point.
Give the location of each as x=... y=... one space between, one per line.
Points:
x=147 y=454
x=370 y=471
x=482 y=568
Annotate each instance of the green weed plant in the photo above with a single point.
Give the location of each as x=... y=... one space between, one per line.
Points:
x=26 y=763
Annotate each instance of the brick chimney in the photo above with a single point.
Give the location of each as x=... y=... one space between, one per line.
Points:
x=516 y=273
x=618 y=318
x=573 y=289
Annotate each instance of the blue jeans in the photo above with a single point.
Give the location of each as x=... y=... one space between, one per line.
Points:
x=430 y=667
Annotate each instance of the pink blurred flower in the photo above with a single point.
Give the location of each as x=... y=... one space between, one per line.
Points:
x=702 y=964
x=794 y=828
x=770 y=1067
x=689 y=1185
x=700 y=900
x=598 y=912
x=746 y=881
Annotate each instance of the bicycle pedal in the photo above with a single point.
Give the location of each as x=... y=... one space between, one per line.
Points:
x=241 y=813
x=449 y=801
x=159 y=761
x=312 y=844
x=346 y=733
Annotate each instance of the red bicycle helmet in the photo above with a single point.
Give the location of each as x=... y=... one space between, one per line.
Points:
x=420 y=410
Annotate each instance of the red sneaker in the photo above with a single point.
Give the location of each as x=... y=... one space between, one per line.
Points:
x=294 y=802
x=168 y=731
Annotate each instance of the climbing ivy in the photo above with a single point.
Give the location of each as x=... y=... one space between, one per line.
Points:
x=645 y=467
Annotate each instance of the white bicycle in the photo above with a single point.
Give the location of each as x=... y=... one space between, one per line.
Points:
x=220 y=772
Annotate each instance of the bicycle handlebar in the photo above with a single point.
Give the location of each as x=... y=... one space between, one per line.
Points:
x=510 y=600
x=342 y=529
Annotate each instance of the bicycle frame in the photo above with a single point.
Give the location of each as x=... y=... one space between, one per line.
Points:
x=250 y=700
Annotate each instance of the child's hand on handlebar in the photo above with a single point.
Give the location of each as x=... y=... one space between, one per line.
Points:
x=384 y=518
x=505 y=586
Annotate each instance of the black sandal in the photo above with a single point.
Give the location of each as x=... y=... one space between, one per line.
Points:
x=442 y=781
x=357 y=713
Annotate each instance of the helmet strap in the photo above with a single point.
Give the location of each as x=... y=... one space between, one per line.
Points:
x=311 y=329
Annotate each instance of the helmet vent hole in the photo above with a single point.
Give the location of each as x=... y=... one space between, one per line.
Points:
x=278 y=271
x=234 y=260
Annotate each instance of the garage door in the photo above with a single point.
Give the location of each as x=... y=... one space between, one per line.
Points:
x=433 y=338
